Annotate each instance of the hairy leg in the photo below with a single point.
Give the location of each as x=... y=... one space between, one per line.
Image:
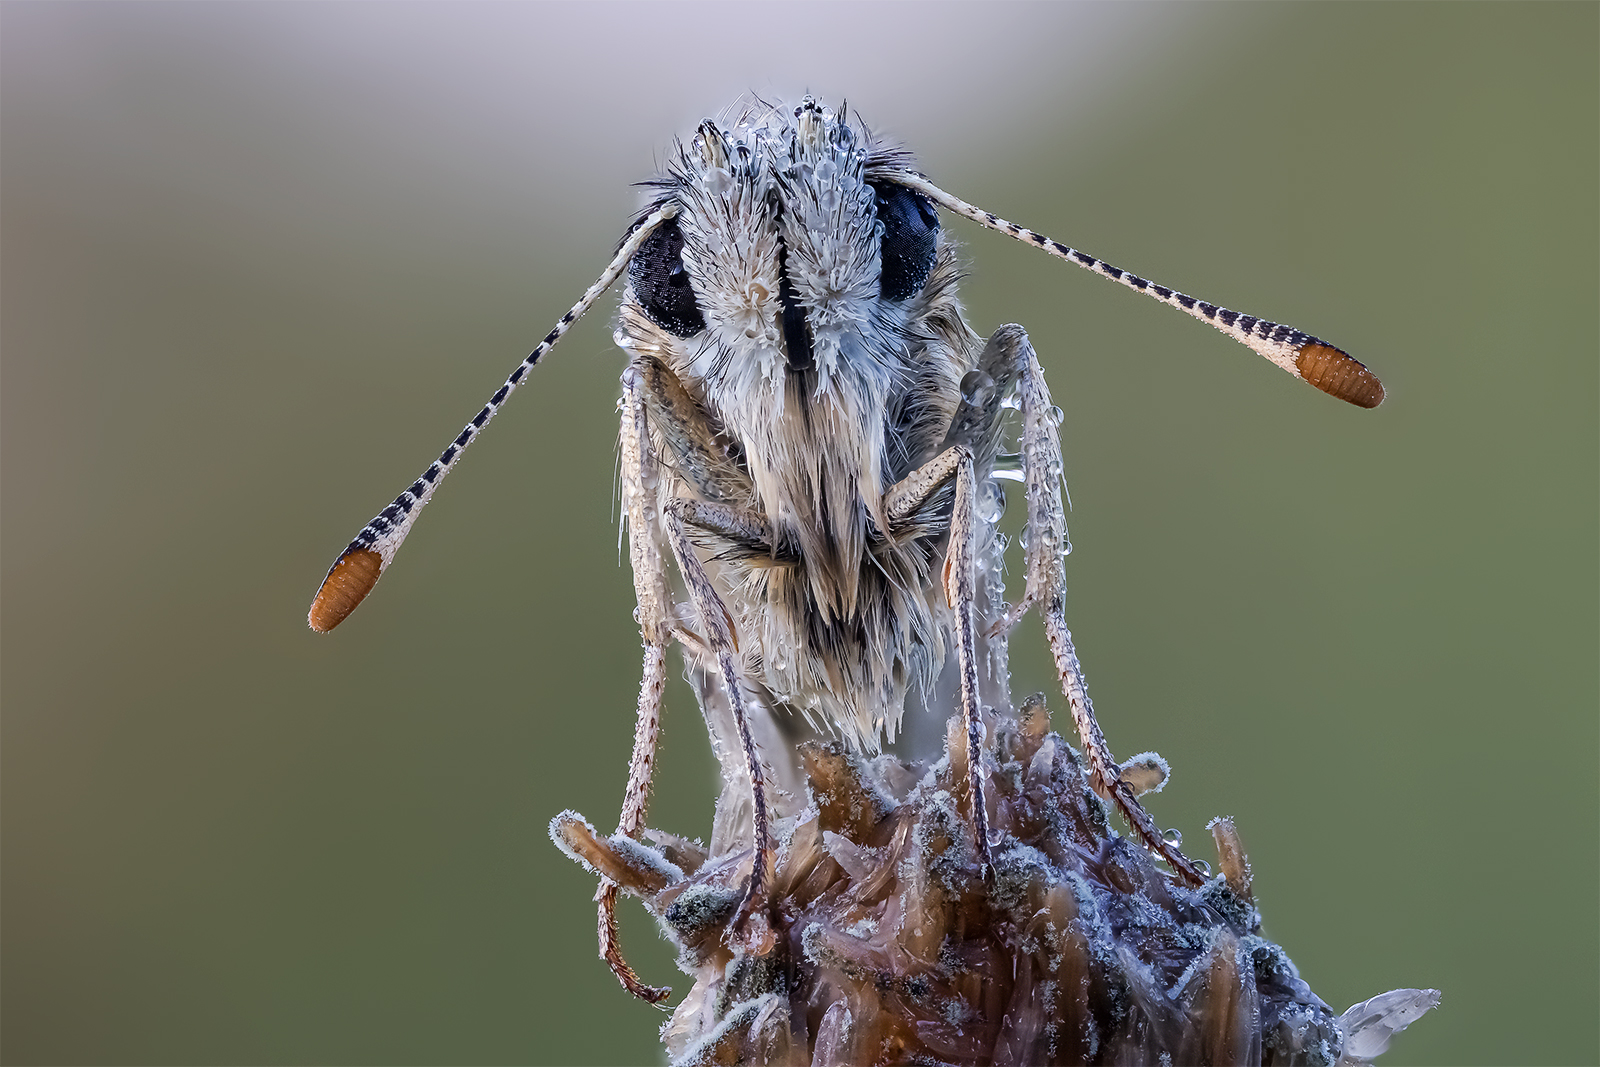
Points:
x=639 y=480
x=717 y=624
x=903 y=500
x=714 y=515
x=1046 y=588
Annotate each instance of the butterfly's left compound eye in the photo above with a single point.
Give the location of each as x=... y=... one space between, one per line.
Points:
x=662 y=284
x=910 y=238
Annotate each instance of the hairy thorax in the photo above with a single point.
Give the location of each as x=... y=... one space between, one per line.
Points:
x=840 y=621
x=825 y=377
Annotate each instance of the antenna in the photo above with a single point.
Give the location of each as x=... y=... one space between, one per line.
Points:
x=358 y=567
x=1308 y=358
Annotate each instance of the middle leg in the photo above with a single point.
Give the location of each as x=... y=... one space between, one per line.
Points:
x=1046 y=588
x=900 y=504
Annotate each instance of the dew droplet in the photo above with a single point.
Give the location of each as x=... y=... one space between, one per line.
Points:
x=1205 y=868
x=991 y=501
x=1056 y=415
x=1173 y=837
x=977 y=388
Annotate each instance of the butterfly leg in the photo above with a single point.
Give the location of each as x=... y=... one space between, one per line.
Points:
x=712 y=507
x=901 y=503
x=1046 y=588
x=717 y=624
x=640 y=478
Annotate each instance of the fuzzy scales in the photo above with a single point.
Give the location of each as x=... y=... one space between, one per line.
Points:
x=884 y=943
x=778 y=200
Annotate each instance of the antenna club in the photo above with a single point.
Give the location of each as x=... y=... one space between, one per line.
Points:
x=1339 y=374
x=347 y=584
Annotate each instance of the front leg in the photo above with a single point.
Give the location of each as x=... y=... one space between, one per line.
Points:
x=717 y=623
x=901 y=502
x=639 y=479
x=1046 y=587
x=735 y=533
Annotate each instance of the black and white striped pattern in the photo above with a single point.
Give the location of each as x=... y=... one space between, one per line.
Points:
x=1278 y=343
x=389 y=527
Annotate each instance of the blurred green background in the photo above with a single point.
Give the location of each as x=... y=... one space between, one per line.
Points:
x=261 y=262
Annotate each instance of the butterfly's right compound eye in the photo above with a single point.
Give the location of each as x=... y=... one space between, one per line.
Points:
x=661 y=282
x=910 y=239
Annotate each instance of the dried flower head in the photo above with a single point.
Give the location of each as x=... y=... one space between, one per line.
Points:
x=885 y=941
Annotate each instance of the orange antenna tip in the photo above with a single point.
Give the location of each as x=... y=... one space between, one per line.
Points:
x=1339 y=374
x=346 y=585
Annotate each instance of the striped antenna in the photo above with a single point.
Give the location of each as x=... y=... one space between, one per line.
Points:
x=356 y=571
x=1308 y=358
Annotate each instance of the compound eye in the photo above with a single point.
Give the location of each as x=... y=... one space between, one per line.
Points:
x=910 y=238
x=662 y=284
